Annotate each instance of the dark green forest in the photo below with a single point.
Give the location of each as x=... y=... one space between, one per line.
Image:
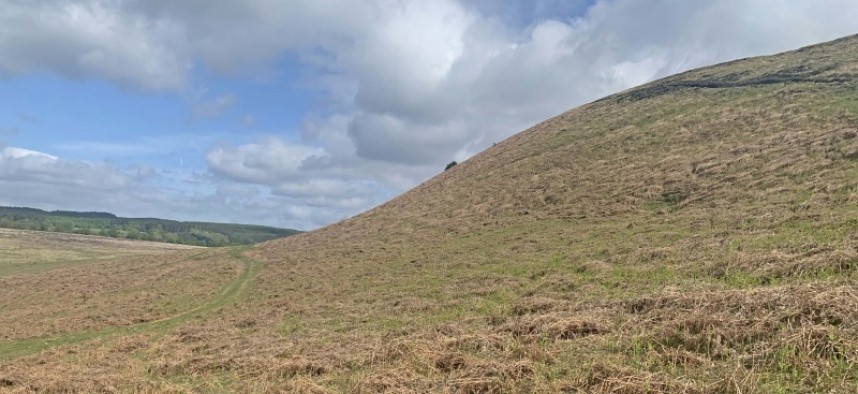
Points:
x=148 y=229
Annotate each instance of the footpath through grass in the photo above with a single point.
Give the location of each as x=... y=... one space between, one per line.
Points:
x=18 y=348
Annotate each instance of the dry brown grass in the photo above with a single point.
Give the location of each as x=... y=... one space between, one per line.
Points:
x=697 y=235
x=33 y=251
x=113 y=293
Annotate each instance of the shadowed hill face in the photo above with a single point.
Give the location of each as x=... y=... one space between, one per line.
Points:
x=696 y=234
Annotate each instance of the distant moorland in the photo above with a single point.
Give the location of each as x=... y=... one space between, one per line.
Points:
x=148 y=229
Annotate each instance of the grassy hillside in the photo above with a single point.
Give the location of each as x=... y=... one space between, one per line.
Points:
x=148 y=229
x=696 y=234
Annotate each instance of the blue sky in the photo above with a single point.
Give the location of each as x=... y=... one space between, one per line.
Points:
x=300 y=113
x=92 y=119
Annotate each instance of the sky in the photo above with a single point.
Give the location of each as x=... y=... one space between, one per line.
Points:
x=300 y=113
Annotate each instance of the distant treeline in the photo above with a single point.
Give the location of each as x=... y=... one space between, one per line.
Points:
x=159 y=230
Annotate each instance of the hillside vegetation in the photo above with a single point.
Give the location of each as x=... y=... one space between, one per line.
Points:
x=697 y=234
x=147 y=229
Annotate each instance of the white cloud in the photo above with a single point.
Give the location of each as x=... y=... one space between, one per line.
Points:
x=304 y=178
x=91 y=39
x=269 y=160
x=37 y=179
x=13 y=153
x=18 y=164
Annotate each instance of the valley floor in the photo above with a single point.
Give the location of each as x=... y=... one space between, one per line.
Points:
x=552 y=319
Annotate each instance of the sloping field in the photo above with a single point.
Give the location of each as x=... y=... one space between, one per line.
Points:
x=697 y=234
x=30 y=251
x=60 y=288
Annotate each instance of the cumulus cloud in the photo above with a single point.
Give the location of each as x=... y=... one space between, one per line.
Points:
x=421 y=83
x=17 y=164
x=304 y=176
x=32 y=178
x=38 y=179
x=268 y=161
x=13 y=153
x=91 y=39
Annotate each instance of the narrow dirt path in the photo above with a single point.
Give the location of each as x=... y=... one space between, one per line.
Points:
x=18 y=348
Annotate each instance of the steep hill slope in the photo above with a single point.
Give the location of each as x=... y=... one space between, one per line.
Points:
x=696 y=234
